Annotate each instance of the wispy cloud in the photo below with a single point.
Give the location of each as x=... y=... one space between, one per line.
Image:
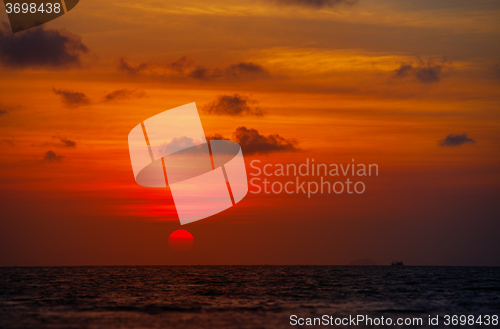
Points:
x=9 y=141
x=313 y=3
x=187 y=68
x=126 y=67
x=58 y=141
x=121 y=94
x=181 y=64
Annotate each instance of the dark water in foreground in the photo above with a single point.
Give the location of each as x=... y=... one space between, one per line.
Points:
x=238 y=296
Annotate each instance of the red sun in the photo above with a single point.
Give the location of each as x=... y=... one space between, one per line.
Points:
x=181 y=240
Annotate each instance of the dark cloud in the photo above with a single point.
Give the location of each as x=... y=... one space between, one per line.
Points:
x=66 y=142
x=124 y=94
x=254 y=143
x=240 y=71
x=187 y=68
x=454 y=140
x=38 y=47
x=404 y=70
x=424 y=72
x=201 y=73
x=216 y=137
x=246 y=70
x=72 y=99
x=52 y=157
x=2 y=111
x=179 y=66
x=235 y=105
x=123 y=66
x=313 y=3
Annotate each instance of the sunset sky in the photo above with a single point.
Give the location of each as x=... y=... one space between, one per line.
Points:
x=411 y=86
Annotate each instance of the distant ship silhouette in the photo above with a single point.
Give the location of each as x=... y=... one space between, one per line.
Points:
x=397 y=263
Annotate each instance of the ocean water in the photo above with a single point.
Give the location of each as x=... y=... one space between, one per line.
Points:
x=239 y=296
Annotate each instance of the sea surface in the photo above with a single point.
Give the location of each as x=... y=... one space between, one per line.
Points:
x=240 y=296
